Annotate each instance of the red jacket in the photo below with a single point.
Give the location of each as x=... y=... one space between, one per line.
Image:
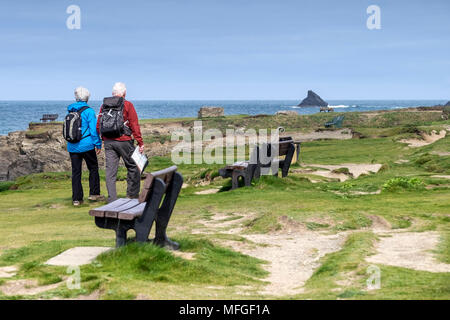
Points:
x=130 y=115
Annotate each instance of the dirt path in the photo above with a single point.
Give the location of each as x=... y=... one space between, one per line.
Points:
x=292 y=258
x=355 y=169
x=25 y=287
x=411 y=250
x=292 y=254
x=427 y=139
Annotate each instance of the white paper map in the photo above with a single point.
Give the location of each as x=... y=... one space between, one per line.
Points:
x=140 y=159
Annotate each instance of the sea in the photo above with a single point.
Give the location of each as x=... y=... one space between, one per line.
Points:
x=16 y=115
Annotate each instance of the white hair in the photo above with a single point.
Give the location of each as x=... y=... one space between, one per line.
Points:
x=82 y=94
x=119 y=89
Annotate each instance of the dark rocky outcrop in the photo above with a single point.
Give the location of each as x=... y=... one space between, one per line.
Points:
x=313 y=100
x=42 y=148
x=37 y=150
x=448 y=104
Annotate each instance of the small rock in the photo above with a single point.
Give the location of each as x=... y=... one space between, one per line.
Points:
x=286 y=113
x=210 y=112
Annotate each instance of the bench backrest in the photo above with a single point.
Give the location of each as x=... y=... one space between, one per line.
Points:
x=165 y=175
x=284 y=145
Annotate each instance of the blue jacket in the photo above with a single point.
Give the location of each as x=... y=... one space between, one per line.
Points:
x=88 y=127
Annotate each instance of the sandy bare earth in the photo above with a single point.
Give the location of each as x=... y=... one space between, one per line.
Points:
x=208 y=191
x=8 y=272
x=411 y=250
x=292 y=254
x=292 y=258
x=25 y=287
x=441 y=176
x=427 y=139
x=356 y=169
x=340 y=134
x=442 y=154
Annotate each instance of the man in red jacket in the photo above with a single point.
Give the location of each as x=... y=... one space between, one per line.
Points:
x=120 y=144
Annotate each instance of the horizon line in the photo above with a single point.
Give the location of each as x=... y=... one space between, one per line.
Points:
x=247 y=99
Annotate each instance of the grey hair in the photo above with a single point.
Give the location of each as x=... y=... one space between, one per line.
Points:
x=82 y=94
x=119 y=89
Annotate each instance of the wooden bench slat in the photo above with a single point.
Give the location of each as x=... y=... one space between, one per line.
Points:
x=132 y=213
x=113 y=212
x=100 y=212
x=238 y=165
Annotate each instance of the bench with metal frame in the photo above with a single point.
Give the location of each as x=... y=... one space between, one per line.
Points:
x=139 y=214
x=249 y=170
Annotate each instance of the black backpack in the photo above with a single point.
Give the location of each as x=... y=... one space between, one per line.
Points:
x=112 y=122
x=72 y=126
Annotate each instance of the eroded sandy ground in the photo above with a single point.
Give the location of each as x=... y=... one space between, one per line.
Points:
x=411 y=250
x=427 y=139
x=293 y=254
x=292 y=258
x=355 y=169
x=25 y=287
x=8 y=272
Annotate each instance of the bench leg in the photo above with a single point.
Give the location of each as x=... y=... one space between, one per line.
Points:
x=121 y=237
x=287 y=161
x=143 y=224
x=120 y=227
x=164 y=214
x=235 y=180
x=248 y=179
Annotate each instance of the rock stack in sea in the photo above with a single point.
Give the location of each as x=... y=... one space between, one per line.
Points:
x=448 y=104
x=313 y=100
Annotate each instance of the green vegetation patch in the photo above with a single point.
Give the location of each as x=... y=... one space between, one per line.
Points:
x=402 y=183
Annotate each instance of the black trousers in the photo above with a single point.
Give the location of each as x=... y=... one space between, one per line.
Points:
x=94 y=179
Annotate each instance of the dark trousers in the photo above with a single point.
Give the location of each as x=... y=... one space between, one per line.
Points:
x=114 y=150
x=94 y=179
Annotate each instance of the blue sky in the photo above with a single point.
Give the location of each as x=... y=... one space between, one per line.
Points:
x=233 y=49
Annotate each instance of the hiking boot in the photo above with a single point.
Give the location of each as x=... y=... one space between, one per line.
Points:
x=96 y=197
x=77 y=203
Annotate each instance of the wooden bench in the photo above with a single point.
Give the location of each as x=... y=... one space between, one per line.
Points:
x=337 y=122
x=138 y=214
x=249 y=170
x=285 y=148
x=49 y=117
x=243 y=169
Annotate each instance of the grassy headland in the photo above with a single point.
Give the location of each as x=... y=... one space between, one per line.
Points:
x=410 y=193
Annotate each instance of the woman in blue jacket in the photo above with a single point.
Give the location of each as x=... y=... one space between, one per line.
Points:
x=87 y=148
